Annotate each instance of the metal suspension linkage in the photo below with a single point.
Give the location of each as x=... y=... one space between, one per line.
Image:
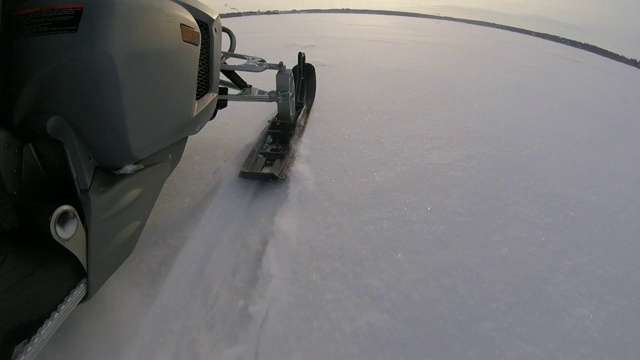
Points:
x=283 y=95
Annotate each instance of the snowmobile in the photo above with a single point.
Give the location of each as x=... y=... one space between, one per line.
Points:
x=98 y=99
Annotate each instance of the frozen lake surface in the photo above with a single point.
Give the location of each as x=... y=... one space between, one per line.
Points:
x=611 y=24
x=460 y=193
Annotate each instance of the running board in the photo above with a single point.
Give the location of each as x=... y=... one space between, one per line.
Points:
x=31 y=349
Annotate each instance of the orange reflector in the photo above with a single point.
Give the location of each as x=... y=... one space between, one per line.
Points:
x=190 y=35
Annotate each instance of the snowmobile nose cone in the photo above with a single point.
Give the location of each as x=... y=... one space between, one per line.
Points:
x=64 y=223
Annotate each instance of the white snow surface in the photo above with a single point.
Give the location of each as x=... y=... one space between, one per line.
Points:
x=460 y=193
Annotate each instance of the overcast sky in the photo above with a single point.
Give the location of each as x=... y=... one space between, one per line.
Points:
x=612 y=24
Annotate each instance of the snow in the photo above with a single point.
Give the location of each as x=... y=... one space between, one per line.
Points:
x=460 y=193
x=128 y=169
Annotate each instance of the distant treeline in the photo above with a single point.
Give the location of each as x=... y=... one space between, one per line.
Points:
x=559 y=39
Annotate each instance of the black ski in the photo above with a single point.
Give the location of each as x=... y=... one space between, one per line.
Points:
x=274 y=150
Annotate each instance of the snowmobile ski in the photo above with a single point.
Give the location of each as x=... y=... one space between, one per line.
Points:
x=274 y=150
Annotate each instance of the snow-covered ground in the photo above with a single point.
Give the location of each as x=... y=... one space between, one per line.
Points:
x=460 y=193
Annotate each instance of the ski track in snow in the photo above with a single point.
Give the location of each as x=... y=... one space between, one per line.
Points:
x=460 y=193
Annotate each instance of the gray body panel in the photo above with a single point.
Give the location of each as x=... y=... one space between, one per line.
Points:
x=125 y=81
x=117 y=208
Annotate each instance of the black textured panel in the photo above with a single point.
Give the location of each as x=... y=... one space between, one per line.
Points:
x=36 y=274
x=204 y=65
